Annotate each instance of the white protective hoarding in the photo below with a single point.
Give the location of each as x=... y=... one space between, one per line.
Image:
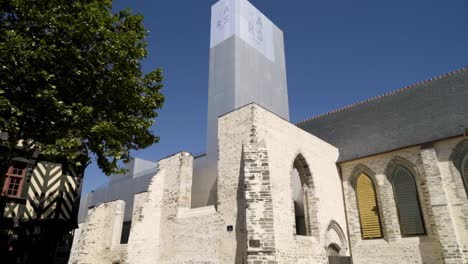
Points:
x=223 y=23
x=241 y=18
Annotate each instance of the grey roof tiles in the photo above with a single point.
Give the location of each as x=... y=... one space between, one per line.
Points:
x=416 y=114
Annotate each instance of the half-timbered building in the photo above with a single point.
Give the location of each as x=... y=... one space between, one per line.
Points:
x=39 y=199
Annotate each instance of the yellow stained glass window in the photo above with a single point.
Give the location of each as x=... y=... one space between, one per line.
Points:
x=368 y=208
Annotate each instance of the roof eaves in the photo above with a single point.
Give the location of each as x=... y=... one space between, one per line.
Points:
x=381 y=96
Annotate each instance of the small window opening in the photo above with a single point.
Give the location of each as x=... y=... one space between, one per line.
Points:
x=14 y=179
x=125 y=232
x=298 y=200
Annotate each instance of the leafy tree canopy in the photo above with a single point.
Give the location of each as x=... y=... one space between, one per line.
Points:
x=71 y=82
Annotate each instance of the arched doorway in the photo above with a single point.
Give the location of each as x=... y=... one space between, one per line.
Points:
x=333 y=254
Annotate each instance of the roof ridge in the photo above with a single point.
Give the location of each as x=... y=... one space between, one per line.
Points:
x=382 y=95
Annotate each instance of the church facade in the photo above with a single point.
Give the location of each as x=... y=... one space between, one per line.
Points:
x=381 y=181
x=403 y=205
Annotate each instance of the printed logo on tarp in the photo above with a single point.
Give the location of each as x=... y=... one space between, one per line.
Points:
x=221 y=23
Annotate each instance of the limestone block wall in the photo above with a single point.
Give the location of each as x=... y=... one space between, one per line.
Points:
x=324 y=205
x=234 y=129
x=253 y=220
x=75 y=244
x=281 y=143
x=144 y=240
x=99 y=236
x=259 y=203
x=450 y=154
x=165 y=229
x=441 y=198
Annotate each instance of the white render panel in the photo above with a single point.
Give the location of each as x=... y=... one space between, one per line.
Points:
x=241 y=18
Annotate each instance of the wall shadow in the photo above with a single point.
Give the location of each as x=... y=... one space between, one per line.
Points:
x=241 y=229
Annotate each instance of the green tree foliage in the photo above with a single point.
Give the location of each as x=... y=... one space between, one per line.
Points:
x=71 y=82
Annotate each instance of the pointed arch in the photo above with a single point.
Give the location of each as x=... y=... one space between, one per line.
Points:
x=303 y=169
x=304 y=200
x=357 y=171
x=368 y=207
x=402 y=174
x=407 y=202
x=459 y=157
x=395 y=163
x=334 y=227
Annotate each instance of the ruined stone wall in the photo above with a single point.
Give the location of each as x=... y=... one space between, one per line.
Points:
x=259 y=203
x=442 y=203
x=270 y=145
x=324 y=201
x=234 y=130
x=166 y=230
x=99 y=236
x=253 y=220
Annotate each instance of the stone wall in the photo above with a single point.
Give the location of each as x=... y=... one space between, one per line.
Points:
x=259 y=203
x=253 y=220
x=449 y=155
x=99 y=237
x=270 y=145
x=166 y=229
x=441 y=198
x=234 y=130
x=324 y=200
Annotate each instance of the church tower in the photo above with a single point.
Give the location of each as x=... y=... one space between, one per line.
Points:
x=247 y=64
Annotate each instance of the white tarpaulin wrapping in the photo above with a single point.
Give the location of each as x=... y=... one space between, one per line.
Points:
x=239 y=17
x=222 y=21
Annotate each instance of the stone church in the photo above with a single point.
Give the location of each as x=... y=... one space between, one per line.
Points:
x=381 y=181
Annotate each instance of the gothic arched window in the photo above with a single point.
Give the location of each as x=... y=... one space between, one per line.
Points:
x=301 y=178
x=368 y=208
x=459 y=158
x=298 y=200
x=407 y=203
x=464 y=172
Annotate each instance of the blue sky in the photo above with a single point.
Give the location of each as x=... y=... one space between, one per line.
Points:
x=337 y=53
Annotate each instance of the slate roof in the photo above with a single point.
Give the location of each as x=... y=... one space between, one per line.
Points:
x=423 y=112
